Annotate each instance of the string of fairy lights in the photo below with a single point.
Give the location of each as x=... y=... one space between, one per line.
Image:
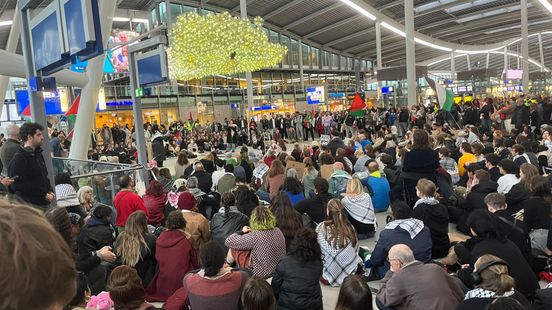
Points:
x=219 y=44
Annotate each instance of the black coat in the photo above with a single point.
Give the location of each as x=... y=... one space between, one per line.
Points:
x=474 y=199
x=516 y=197
x=95 y=235
x=147 y=265
x=315 y=207
x=295 y=284
x=421 y=161
x=32 y=183
x=521 y=116
x=513 y=229
x=472 y=249
x=204 y=179
x=158 y=149
x=436 y=218
x=335 y=144
x=223 y=225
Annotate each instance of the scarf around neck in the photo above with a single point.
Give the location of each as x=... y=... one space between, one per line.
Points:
x=426 y=200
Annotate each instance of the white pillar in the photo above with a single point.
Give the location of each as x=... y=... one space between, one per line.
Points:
x=89 y=94
x=11 y=46
x=541 y=53
x=524 y=46
x=468 y=60
x=452 y=66
x=301 y=72
x=379 y=64
x=248 y=76
x=410 y=52
x=488 y=60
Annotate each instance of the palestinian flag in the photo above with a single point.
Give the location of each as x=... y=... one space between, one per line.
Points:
x=70 y=135
x=26 y=114
x=71 y=114
x=445 y=97
x=358 y=106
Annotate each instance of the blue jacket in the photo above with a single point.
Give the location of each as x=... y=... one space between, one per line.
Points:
x=379 y=191
x=420 y=245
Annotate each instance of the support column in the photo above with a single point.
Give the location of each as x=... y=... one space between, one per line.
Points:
x=248 y=76
x=452 y=66
x=541 y=53
x=89 y=94
x=301 y=72
x=505 y=60
x=468 y=60
x=410 y=53
x=379 y=64
x=356 y=64
x=487 y=60
x=524 y=47
x=11 y=46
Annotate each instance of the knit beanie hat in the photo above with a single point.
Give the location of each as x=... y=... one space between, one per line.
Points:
x=186 y=201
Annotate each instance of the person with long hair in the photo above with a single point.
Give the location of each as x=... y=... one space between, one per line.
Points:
x=520 y=192
x=181 y=164
x=421 y=158
x=68 y=225
x=275 y=179
x=360 y=209
x=491 y=281
x=537 y=213
x=175 y=257
x=293 y=188
x=155 y=200
x=227 y=220
x=215 y=285
x=126 y=290
x=309 y=175
x=197 y=224
x=295 y=281
x=287 y=218
x=354 y=294
x=339 y=244
x=259 y=247
x=135 y=247
x=257 y=295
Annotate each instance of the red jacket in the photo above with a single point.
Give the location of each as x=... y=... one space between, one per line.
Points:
x=175 y=257
x=156 y=207
x=126 y=202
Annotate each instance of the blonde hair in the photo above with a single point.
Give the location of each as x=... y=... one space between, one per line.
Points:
x=354 y=186
x=426 y=187
x=338 y=231
x=494 y=278
x=82 y=192
x=130 y=242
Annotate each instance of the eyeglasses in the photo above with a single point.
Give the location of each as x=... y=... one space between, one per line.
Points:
x=391 y=259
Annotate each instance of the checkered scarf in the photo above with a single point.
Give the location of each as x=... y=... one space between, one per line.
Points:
x=411 y=225
x=360 y=207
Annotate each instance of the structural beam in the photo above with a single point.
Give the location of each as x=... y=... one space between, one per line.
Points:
x=541 y=53
x=524 y=47
x=379 y=63
x=312 y=15
x=11 y=46
x=348 y=37
x=281 y=9
x=452 y=66
x=332 y=26
x=487 y=59
x=89 y=94
x=410 y=53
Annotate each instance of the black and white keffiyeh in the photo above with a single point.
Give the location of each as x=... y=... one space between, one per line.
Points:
x=483 y=293
x=411 y=225
x=360 y=207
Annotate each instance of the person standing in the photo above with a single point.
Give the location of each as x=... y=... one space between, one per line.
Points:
x=298 y=123
x=10 y=147
x=29 y=169
x=127 y=201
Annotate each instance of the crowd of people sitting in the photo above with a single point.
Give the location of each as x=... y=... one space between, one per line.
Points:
x=265 y=228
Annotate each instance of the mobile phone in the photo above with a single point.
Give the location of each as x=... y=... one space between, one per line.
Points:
x=14 y=177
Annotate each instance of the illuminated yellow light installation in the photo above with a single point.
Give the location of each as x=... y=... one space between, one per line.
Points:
x=219 y=44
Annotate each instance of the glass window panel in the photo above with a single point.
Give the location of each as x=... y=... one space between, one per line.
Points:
x=163 y=12
x=349 y=63
x=306 y=55
x=176 y=9
x=188 y=9
x=342 y=63
x=314 y=57
x=274 y=37
x=294 y=53
x=335 y=61
x=154 y=16
x=285 y=42
x=326 y=59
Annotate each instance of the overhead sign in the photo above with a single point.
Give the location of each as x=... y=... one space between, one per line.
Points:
x=316 y=95
x=152 y=67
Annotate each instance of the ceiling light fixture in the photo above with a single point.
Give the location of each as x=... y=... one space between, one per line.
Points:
x=359 y=9
x=435 y=46
x=6 y=23
x=393 y=29
x=547 y=5
x=121 y=19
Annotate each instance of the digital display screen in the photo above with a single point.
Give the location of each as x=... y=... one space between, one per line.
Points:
x=387 y=89
x=46 y=42
x=76 y=36
x=315 y=95
x=514 y=74
x=52 y=103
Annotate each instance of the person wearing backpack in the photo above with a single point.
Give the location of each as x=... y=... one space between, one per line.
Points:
x=338 y=180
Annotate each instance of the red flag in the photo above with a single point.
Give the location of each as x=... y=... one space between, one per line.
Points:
x=358 y=106
x=190 y=117
x=70 y=135
x=71 y=114
x=27 y=111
